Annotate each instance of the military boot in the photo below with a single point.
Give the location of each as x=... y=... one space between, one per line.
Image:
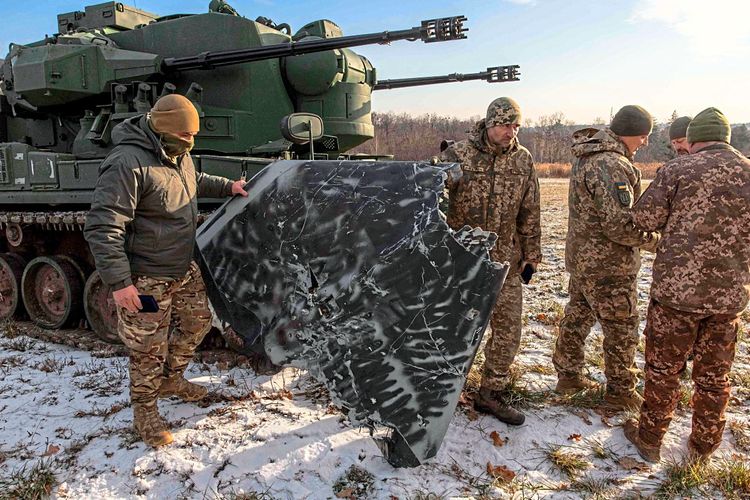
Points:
x=176 y=385
x=150 y=426
x=623 y=401
x=496 y=403
x=648 y=452
x=571 y=385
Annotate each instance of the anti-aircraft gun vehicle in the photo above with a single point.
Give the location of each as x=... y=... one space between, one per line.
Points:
x=62 y=96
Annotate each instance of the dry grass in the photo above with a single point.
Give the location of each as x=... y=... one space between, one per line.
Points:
x=595 y=356
x=9 y=329
x=20 y=344
x=566 y=460
x=33 y=484
x=552 y=313
x=553 y=170
x=682 y=479
x=740 y=378
x=600 y=450
x=731 y=476
x=562 y=170
x=542 y=368
x=741 y=433
x=728 y=476
x=588 y=399
x=686 y=396
x=595 y=487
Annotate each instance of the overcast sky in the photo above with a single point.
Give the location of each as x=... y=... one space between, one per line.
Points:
x=583 y=58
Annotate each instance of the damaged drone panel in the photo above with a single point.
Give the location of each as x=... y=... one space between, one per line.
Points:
x=349 y=269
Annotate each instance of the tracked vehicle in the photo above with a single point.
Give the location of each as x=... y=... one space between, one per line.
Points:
x=62 y=96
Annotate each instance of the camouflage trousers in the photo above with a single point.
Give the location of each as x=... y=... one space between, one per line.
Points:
x=502 y=346
x=163 y=343
x=613 y=302
x=671 y=335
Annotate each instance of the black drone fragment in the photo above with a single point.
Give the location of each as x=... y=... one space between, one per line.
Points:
x=348 y=269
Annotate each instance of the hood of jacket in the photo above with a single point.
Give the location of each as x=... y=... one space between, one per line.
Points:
x=589 y=141
x=135 y=131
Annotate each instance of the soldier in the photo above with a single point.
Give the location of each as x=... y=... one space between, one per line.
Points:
x=677 y=133
x=499 y=191
x=701 y=283
x=141 y=230
x=602 y=257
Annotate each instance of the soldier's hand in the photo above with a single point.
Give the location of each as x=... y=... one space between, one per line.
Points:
x=128 y=298
x=238 y=188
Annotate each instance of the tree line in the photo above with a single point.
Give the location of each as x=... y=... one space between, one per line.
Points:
x=409 y=137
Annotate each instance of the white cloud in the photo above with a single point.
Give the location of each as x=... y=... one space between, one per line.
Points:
x=709 y=27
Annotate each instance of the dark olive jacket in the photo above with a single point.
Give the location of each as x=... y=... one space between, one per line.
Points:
x=144 y=211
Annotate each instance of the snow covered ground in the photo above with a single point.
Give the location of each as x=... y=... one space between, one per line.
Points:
x=66 y=411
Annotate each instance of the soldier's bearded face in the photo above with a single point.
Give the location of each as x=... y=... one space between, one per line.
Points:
x=503 y=135
x=681 y=146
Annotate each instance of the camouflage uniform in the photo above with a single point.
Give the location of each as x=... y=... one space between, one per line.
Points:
x=141 y=229
x=701 y=283
x=162 y=343
x=498 y=191
x=602 y=257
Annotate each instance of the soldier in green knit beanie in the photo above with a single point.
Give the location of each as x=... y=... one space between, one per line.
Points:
x=700 y=288
x=678 y=135
x=708 y=127
x=632 y=124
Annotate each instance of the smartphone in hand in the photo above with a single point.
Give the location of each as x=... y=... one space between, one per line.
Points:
x=148 y=304
x=527 y=273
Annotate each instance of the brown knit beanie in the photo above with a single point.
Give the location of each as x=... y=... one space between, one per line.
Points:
x=174 y=114
x=632 y=121
x=709 y=125
x=678 y=128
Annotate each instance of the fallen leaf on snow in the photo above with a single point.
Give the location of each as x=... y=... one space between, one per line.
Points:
x=630 y=463
x=500 y=472
x=51 y=450
x=574 y=437
x=345 y=493
x=496 y=439
x=583 y=415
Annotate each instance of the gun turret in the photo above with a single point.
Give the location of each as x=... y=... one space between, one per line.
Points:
x=496 y=74
x=67 y=92
x=433 y=30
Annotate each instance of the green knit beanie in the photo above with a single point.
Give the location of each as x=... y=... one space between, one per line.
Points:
x=709 y=125
x=678 y=128
x=503 y=111
x=631 y=121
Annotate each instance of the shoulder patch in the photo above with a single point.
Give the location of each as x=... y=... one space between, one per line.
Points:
x=623 y=193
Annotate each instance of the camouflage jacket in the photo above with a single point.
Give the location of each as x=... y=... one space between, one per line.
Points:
x=701 y=203
x=144 y=212
x=499 y=192
x=602 y=240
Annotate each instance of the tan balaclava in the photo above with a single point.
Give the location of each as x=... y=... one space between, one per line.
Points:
x=171 y=115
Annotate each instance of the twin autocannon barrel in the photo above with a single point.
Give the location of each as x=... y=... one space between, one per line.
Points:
x=493 y=75
x=433 y=30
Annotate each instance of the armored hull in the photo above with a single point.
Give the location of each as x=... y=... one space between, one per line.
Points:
x=60 y=98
